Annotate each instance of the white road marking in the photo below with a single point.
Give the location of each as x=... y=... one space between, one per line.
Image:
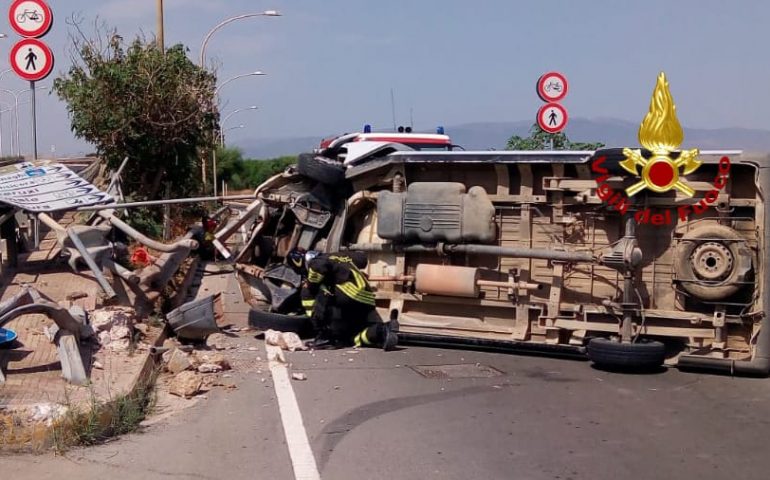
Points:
x=302 y=459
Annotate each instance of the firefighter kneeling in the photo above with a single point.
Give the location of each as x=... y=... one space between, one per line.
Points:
x=338 y=299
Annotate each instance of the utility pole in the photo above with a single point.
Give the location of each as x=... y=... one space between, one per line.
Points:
x=159 y=33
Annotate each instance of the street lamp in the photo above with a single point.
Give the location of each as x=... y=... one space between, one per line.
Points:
x=228 y=129
x=251 y=74
x=16 y=113
x=222 y=123
x=266 y=13
x=2 y=74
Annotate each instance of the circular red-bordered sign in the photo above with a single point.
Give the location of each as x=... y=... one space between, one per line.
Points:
x=30 y=18
x=552 y=117
x=552 y=87
x=31 y=59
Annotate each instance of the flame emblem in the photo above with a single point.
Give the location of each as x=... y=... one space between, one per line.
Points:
x=661 y=134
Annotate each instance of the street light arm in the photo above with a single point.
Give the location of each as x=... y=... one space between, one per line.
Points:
x=251 y=74
x=227 y=117
x=202 y=59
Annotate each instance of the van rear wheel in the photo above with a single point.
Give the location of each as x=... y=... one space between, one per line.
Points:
x=612 y=355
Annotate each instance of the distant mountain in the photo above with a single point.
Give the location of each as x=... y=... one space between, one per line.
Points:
x=494 y=135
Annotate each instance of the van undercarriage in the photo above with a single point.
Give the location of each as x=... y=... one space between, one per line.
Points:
x=536 y=251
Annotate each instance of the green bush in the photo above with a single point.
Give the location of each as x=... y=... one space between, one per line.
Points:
x=245 y=173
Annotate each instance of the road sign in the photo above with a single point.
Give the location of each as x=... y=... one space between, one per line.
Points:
x=552 y=87
x=552 y=117
x=31 y=59
x=44 y=187
x=30 y=18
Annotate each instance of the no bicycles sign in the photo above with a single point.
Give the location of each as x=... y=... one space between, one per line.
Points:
x=30 y=18
x=31 y=59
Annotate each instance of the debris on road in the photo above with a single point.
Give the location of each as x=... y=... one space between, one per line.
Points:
x=299 y=377
x=209 y=368
x=218 y=341
x=105 y=319
x=286 y=340
x=195 y=320
x=178 y=361
x=186 y=384
x=216 y=360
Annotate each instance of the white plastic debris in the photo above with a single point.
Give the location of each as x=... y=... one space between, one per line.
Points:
x=299 y=376
x=286 y=340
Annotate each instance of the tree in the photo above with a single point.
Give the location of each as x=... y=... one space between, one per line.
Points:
x=134 y=100
x=539 y=139
x=244 y=173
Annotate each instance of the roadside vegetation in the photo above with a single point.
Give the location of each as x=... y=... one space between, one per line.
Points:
x=241 y=173
x=539 y=139
x=98 y=421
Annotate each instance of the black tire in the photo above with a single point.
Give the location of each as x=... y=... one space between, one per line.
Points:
x=298 y=324
x=741 y=257
x=328 y=172
x=643 y=355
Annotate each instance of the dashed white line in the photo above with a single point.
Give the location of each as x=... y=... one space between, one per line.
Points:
x=302 y=459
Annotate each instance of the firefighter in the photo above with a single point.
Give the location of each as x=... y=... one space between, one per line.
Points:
x=338 y=299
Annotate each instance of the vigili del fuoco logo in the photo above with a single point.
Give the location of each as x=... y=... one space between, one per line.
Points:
x=660 y=167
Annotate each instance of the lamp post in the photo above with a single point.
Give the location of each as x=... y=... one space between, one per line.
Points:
x=231 y=128
x=222 y=141
x=202 y=64
x=250 y=74
x=2 y=74
x=16 y=114
x=227 y=117
x=266 y=13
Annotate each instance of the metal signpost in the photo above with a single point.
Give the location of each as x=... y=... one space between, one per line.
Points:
x=552 y=117
x=31 y=59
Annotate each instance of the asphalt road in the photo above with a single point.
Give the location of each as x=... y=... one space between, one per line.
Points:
x=371 y=415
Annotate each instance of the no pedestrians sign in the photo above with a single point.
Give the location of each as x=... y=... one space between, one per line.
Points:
x=31 y=59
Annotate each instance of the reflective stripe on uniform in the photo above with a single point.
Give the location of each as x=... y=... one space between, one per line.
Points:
x=362 y=339
x=308 y=306
x=361 y=296
x=314 y=277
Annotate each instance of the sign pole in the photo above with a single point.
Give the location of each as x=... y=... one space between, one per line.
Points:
x=34 y=121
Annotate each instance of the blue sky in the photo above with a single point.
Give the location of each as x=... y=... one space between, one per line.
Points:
x=331 y=63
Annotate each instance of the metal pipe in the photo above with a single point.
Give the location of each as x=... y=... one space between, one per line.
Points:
x=188 y=244
x=34 y=120
x=510 y=252
x=514 y=285
x=149 y=203
x=50 y=223
x=97 y=271
x=759 y=365
x=627 y=327
x=568 y=351
x=391 y=278
x=116 y=176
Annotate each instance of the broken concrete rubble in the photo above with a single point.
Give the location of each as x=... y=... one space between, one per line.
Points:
x=186 y=384
x=105 y=318
x=179 y=361
x=216 y=359
x=209 y=368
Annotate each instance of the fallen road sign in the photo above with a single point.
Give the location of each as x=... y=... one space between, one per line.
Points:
x=47 y=187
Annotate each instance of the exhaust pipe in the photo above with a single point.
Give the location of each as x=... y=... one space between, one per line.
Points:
x=759 y=366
